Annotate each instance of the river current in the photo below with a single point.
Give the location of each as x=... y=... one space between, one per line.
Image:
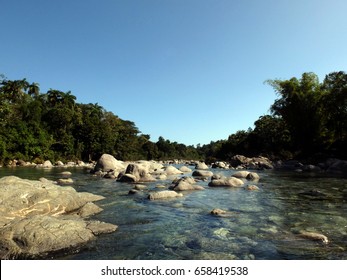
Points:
x=262 y=224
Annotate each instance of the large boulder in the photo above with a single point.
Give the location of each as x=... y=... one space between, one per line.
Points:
x=39 y=218
x=107 y=163
x=136 y=173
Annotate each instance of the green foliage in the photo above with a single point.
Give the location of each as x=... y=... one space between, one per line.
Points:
x=36 y=126
x=307 y=118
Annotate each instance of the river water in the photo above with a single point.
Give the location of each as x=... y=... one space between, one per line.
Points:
x=262 y=224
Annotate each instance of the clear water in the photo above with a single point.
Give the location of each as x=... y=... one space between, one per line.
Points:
x=263 y=224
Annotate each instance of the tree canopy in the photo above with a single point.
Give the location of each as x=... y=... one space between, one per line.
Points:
x=308 y=119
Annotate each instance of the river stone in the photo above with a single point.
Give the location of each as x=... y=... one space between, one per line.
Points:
x=252 y=176
x=241 y=174
x=171 y=170
x=65 y=181
x=201 y=166
x=252 y=188
x=39 y=218
x=202 y=173
x=163 y=195
x=185 y=169
x=218 y=212
x=314 y=236
x=226 y=182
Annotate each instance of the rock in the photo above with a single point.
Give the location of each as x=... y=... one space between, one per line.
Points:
x=218 y=212
x=314 y=236
x=171 y=170
x=185 y=169
x=220 y=164
x=226 y=182
x=252 y=176
x=252 y=188
x=46 y=164
x=88 y=210
x=202 y=173
x=238 y=160
x=163 y=195
x=136 y=173
x=241 y=174
x=66 y=174
x=140 y=187
x=59 y=163
x=185 y=184
x=201 y=166
x=64 y=182
x=337 y=166
x=311 y=168
x=107 y=162
x=39 y=218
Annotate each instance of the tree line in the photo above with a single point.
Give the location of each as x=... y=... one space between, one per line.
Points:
x=307 y=120
x=37 y=126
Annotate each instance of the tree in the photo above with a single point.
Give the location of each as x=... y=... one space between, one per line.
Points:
x=299 y=105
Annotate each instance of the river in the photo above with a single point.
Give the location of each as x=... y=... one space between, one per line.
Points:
x=262 y=224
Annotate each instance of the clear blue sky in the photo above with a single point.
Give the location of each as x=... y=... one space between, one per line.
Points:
x=192 y=71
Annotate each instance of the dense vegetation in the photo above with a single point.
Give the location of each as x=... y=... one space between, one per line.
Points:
x=309 y=119
x=36 y=126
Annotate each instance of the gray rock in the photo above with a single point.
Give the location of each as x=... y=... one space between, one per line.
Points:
x=226 y=182
x=202 y=173
x=201 y=166
x=107 y=162
x=39 y=218
x=164 y=195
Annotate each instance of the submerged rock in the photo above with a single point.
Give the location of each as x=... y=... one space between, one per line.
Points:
x=314 y=236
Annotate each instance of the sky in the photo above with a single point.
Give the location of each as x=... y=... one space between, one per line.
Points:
x=191 y=71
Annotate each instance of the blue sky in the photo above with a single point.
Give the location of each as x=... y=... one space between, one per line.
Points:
x=192 y=71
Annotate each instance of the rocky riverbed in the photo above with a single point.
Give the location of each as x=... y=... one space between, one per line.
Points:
x=190 y=210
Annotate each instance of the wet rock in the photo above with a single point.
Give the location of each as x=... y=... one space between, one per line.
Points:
x=66 y=174
x=218 y=212
x=313 y=236
x=313 y=193
x=163 y=195
x=252 y=188
x=65 y=181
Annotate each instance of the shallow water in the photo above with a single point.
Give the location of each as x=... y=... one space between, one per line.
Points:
x=263 y=224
